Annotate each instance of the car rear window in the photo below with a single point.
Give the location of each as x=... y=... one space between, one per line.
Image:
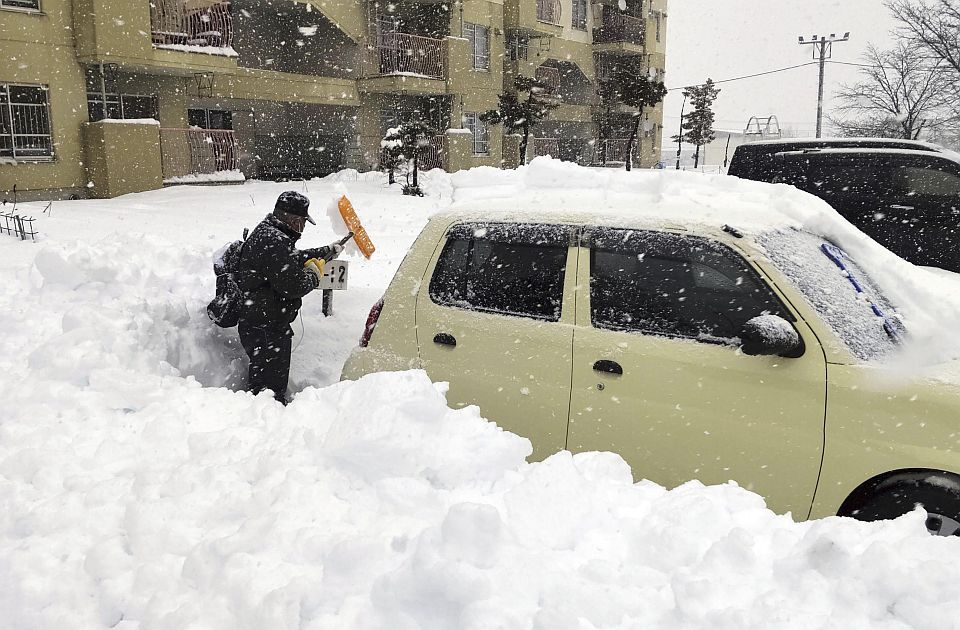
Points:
x=509 y=269
x=673 y=285
x=833 y=293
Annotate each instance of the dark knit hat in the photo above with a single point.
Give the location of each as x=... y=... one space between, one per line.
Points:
x=294 y=203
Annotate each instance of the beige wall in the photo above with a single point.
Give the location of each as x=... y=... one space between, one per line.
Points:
x=122 y=158
x=37 y=49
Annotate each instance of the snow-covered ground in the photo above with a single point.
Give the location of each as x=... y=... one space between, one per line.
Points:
x=139 y=490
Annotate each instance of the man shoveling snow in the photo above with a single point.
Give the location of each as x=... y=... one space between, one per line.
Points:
x=275 y=275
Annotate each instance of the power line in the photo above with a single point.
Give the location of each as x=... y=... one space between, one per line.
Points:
x=750 y=76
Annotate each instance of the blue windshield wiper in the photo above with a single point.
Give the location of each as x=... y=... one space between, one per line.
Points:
x=838 y=256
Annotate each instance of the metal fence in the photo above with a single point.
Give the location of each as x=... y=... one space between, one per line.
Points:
x=17 y=225
x=550 y=77
x=400 y=53
x=612 y=151
x=204 y=24
x=432 y=156
x=616 y=27
x=197 y=152
x=546 y=146
x=548 y=11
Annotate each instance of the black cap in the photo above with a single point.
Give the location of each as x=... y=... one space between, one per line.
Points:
x=294 y=203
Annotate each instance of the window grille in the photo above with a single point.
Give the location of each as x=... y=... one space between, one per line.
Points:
x=122 y=106
x=479 y=37
x=579 y=15
x=25 y=121
x=29 y=5
x=481 y=135
x=519 y=46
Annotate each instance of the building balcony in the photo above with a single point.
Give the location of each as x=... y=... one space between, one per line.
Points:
x=193 y=25
x=404 y=63
x=199 y=155
x=619 y=32
x=550 y=78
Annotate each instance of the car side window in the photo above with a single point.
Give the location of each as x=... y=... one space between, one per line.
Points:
x=510 y=269
x=926 y=180
x=673 y=285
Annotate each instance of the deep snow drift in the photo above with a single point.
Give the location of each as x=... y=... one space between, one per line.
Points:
x=140 y=492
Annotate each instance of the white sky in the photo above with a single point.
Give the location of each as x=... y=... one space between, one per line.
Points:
x=722 y=39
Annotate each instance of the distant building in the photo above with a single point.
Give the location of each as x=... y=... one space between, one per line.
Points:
x=295 y=89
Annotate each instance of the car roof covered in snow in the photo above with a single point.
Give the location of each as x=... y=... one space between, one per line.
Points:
x=849 y=142
x=927 y=155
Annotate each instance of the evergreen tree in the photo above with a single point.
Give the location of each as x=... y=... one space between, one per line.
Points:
x=635 y=88
x=698 y=124
x=391 y=153
x=407 y=143
x=519 y=114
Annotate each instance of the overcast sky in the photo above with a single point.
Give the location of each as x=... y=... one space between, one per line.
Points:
x=722 y=39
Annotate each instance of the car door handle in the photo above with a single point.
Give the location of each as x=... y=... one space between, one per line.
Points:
x=611 y=367
x=445 y=339
x=898 y=207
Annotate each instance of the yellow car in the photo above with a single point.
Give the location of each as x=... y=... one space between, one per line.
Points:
x=695 y=352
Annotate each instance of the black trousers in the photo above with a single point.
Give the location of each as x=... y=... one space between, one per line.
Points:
x=269 y=352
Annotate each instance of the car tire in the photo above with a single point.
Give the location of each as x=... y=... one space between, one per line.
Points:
x=891 y=500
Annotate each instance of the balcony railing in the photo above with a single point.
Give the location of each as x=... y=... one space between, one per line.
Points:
x=612 y=151
x=187 y=153
x=433 y=156
x=411 y=55
x=550 y=77
x=616 y=27
x=548 y=11
x=206 y=24
x=546 y=146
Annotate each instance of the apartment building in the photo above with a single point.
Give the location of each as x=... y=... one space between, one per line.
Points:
x=103 y=97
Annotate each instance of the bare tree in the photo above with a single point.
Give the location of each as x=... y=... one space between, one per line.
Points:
x=932 y=27
x=901 y=95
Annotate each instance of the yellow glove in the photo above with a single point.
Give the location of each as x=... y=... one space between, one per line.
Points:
x=315 y=266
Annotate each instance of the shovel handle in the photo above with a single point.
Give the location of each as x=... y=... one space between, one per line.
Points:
x=343 y=241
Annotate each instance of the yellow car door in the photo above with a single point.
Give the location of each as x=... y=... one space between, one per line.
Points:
x=494 y=320
x=658 y=376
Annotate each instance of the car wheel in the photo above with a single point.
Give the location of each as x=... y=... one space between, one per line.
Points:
x=942 y=506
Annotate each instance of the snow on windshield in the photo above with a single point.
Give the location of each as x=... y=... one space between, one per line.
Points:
x=830 y=291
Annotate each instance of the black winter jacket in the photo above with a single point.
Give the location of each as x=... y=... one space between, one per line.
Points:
x=272 y=275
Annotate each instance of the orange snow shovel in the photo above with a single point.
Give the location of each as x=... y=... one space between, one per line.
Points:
x=360 y=237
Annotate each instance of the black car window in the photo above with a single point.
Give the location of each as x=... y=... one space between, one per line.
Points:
x=674 y=285
x=511 y=269
x=923 y=179
x=833 y=176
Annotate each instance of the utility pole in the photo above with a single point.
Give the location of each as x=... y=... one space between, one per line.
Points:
x=822 y=50
x=680 y=136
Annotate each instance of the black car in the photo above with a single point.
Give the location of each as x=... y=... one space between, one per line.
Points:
x=904 y=194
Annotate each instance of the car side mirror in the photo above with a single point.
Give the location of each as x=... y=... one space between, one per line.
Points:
x=768 y=335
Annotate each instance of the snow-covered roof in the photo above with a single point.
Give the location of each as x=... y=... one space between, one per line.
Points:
x=943 y=153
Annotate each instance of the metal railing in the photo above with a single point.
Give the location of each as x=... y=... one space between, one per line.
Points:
x=612 y=151
x=172 y=23
x=546 y=146
x=187 y=152
x=550 y=77
x=617 y=27
x=400 y=53
x=17 y=225
x=432 y=156
x=24 y=126
x=548 y=11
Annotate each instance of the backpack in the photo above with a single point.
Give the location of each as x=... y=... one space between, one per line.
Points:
x=224 y=309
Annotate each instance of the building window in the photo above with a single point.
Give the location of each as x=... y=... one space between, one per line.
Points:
x=479 y=37
x=122 y=106
x=481 y=135
x=217 y=119
x=26 y=5
x=25 y=121
x=519 y=46
x=580 y=14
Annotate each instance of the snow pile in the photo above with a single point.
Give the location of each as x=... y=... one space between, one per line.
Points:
x=373 y=505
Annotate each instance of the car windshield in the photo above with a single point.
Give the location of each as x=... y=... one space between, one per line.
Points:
x=839 y=290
